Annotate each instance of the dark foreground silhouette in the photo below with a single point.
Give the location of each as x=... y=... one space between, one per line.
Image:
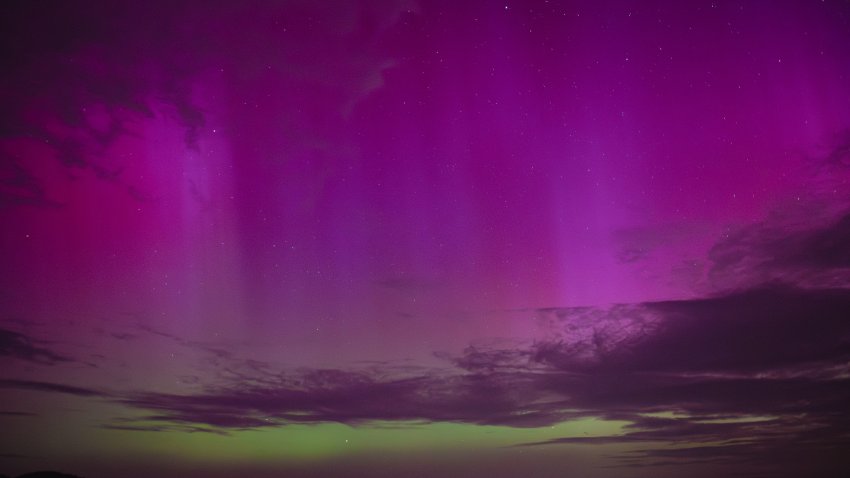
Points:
x=45 y=474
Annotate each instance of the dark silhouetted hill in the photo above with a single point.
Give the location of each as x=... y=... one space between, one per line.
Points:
x=46 y=474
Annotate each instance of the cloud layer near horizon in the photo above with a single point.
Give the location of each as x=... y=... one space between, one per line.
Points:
x=751 y=376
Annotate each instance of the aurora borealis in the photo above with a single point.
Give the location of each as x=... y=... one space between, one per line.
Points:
x=435 y=239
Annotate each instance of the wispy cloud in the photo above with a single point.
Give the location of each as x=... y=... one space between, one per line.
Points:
x=93 y=72
x=20 y=346
x=51 y=387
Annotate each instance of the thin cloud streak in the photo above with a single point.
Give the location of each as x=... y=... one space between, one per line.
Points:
x=20 y=346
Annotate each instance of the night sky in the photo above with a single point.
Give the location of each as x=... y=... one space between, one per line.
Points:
x=430 y=239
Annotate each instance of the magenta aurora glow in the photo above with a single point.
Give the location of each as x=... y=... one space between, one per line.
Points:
x=436 y=239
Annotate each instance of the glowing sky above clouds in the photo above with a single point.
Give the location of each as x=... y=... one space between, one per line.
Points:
x=395 y=237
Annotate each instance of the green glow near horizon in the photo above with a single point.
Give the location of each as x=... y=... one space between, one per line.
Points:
x=306 y=443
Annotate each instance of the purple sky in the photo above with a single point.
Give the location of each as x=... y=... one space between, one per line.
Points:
x=608 y=238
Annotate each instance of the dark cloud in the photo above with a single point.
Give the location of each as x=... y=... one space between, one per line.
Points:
x=354 y=397
x=752 y=376
x=488 y=359
x=781 y=455
x=705 y=431
x=17 y=345
x=760 y=369
x=50 y=387
x=768 y=345
x=737 y=378
x=806 y=243
x=16 y=414
x=810 y=251
x=839 y=156
x=20 y=188
x=763 y=329
x=637 y=244
x=164 y=428
x=828 y=247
